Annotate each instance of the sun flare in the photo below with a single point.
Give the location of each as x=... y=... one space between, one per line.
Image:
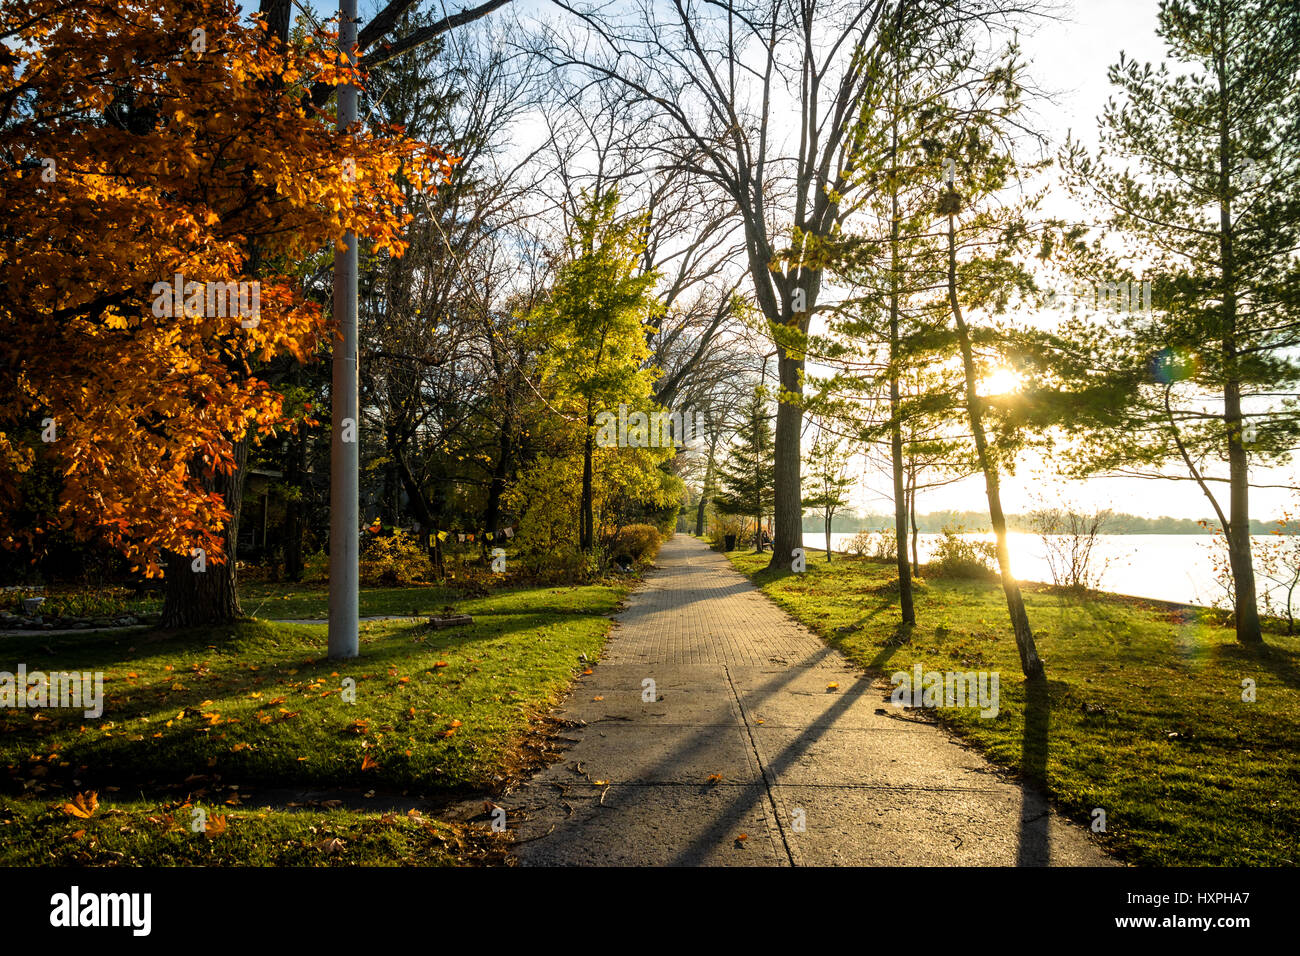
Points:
x=1001 y=381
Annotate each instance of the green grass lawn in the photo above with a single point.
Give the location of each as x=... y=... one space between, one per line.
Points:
x=32 y=834
x=213 y=716
x=1141 y=715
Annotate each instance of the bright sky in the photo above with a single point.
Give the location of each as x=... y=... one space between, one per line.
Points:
x=1069 y=57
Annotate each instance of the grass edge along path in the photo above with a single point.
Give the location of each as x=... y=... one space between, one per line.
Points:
x=1143 y=714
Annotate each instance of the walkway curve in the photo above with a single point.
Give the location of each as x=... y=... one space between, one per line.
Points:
x=718 y=731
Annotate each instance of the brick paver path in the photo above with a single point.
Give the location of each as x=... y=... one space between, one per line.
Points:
x=717 y=731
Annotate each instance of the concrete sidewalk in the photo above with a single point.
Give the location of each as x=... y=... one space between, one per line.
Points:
x=745 y=755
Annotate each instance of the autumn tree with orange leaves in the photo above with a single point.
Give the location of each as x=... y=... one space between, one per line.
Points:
x=141 y=142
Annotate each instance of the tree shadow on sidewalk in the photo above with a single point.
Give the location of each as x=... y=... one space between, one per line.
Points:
x=1035 y=847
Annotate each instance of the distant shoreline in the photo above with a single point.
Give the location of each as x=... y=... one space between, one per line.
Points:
x=974 y=522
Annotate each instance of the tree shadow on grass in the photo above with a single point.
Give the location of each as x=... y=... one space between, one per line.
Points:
x=1283 y=663
x=166 y=760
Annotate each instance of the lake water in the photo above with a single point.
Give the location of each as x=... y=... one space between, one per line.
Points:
x=1169 y=567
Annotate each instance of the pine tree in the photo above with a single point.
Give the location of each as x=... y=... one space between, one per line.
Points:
x=747 y=476
x=1197 y=174
x=828 y=479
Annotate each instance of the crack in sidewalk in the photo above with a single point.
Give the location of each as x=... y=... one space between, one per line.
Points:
x=778 y=813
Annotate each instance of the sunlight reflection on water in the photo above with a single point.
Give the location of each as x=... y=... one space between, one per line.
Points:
x=1169 y=567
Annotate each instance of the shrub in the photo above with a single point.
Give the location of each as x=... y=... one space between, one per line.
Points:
x=1069 y=537
x=635 y=544
x=723 y=525
x=545 y=496
x=877 y=545
x=316 y=566
x=958 y=557
x=395 y=558
x=99 y=602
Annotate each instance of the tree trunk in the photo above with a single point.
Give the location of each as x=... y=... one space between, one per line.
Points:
x=1030 y=663
x=1244 y=598
x=905 y=605
x=911 y=510
x=586 y=519
x=505 y=453
x=396 y=444
x=277 y=13
x=704 y=497
x=204 y=598
x=828 y=539
x=788 y=499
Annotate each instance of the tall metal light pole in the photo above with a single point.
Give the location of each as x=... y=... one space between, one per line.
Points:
x=345 y=523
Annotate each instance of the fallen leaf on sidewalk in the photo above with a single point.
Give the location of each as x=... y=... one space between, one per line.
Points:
x=832 y=686
x=715 y=778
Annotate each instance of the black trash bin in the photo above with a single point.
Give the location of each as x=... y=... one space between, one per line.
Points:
x=729 y=542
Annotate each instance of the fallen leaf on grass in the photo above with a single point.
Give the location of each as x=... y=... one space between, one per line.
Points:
x=215 y=828
x=83 y=805
x=369 y=763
